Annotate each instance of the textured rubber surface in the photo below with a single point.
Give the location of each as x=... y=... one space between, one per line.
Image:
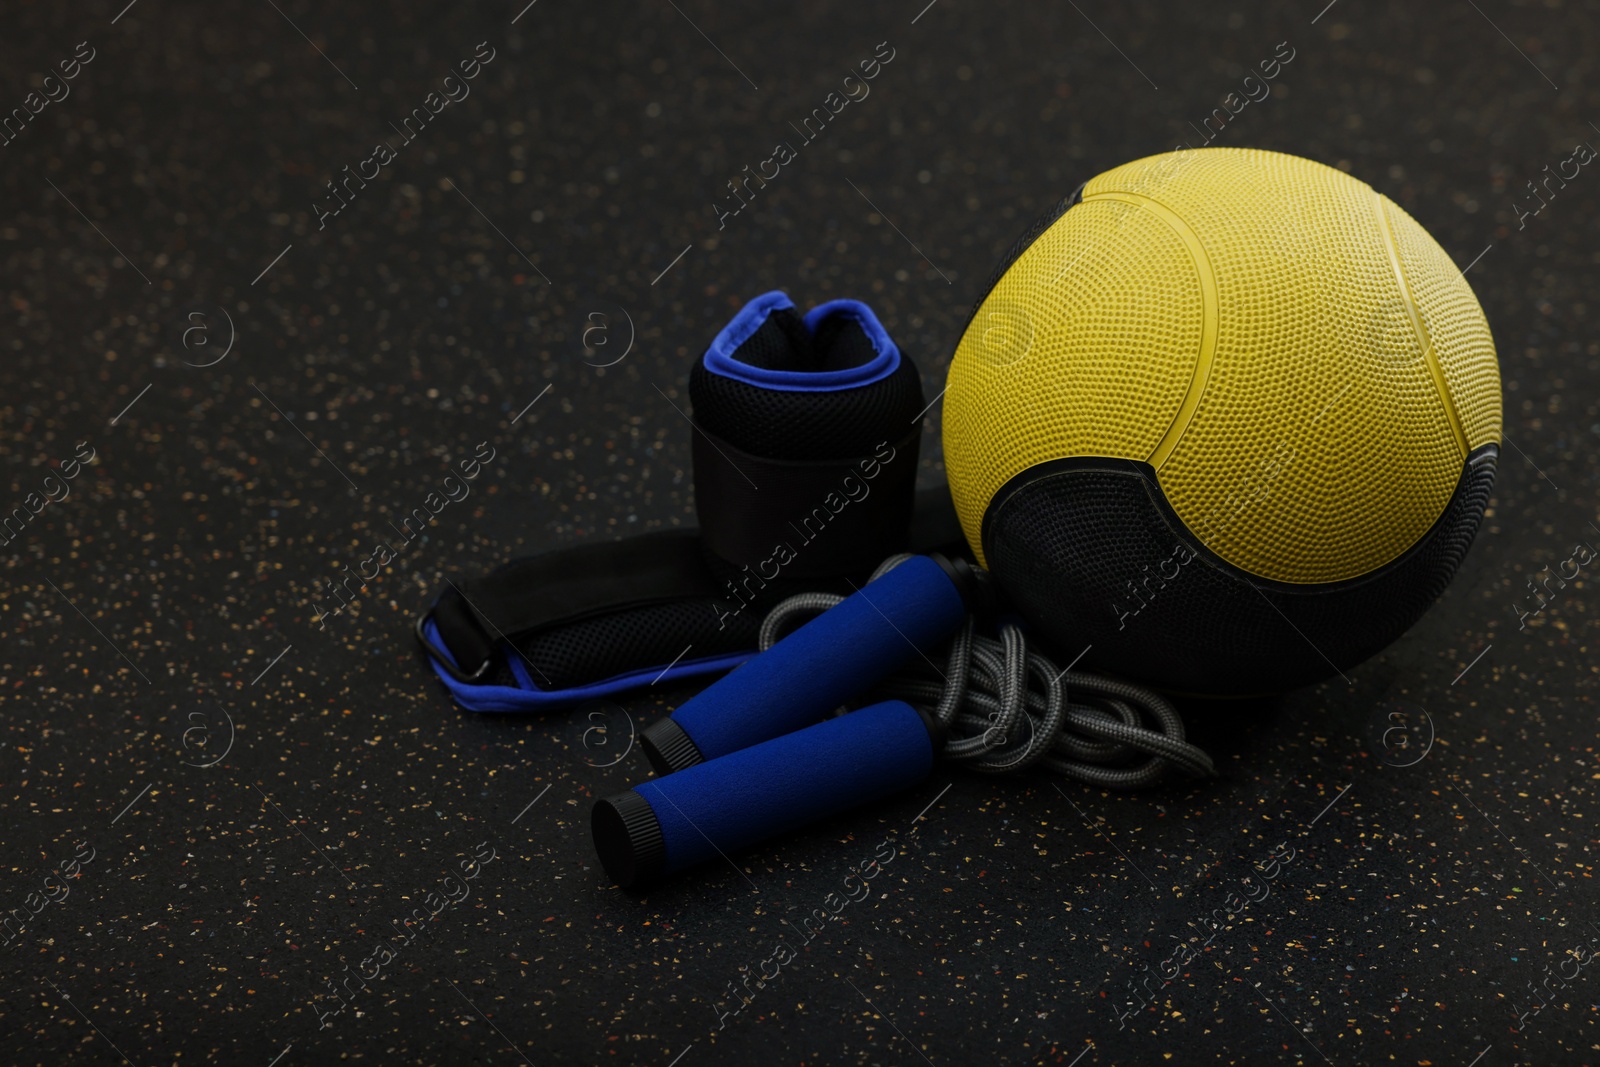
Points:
x=1299 y=362
x=1026 y=238
x=627 y=835
x=668 y=747
x=1092 y=554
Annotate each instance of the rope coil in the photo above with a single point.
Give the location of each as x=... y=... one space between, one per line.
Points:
x=994 y=689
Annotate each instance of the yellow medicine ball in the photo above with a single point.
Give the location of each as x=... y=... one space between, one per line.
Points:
x=1228 y=419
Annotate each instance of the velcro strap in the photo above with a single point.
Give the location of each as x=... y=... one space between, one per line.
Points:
x=808 y=518
x=577 y=582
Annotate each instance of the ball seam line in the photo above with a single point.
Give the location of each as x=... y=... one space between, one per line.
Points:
x=1429 y=356
x=1210 y=303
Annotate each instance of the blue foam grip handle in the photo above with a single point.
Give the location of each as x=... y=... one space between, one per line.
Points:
x=783 y=784
x=833 y=658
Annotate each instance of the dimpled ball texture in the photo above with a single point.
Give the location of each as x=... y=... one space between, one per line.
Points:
x=1227 y=418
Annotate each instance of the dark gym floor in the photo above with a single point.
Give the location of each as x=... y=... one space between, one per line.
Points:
x=264 y=385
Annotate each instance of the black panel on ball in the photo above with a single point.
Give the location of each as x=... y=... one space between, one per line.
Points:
x=1024 y=241
x=1093 y=555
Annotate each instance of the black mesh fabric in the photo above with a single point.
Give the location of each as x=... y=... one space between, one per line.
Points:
x=1081 y=546
x=577 y=653
x=585 y=651
x=811 y=425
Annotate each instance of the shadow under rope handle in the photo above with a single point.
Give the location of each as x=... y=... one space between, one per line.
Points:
x=907 y=612
x=664 y=826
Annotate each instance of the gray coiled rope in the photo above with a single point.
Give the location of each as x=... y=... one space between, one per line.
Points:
x=986 y=700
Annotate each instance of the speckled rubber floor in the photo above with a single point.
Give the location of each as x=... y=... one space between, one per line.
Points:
x=221 y=798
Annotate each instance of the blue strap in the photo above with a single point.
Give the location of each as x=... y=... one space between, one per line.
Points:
x=722 y=358
x=528 y=697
